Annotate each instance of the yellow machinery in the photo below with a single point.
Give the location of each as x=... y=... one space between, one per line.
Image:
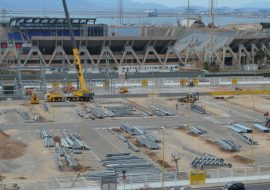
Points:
x=34 y=98
x=190 y=98
x=83 y=93
x=123 y=90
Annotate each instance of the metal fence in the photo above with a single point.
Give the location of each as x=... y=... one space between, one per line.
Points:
x=135 y=181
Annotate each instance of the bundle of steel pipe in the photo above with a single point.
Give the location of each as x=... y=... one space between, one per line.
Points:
x=201 y=162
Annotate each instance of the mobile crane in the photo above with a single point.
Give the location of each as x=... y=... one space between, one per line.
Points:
x=83 y=93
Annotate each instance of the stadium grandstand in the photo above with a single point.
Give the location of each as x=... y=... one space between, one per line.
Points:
x=31 y=41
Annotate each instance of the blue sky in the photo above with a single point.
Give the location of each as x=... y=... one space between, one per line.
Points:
x=204 y=3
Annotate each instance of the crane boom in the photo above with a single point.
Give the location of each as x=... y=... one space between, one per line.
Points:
x=75 y=50
x=83 y=93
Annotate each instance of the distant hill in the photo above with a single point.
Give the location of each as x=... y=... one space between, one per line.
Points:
x=112 y=5
x=75 y=5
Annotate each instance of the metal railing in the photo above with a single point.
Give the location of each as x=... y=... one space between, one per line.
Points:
x=154 y=180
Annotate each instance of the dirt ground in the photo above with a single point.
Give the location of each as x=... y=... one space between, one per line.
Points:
x=261 y=104
x=10 y=149
x=175 y=140
x=23 y=157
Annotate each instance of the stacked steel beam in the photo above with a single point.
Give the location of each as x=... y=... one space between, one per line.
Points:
x=245 y=138
x=148 y=142
x=198 y=108
x=240 y=128
x=158 y=110
x=261 y=128
x=143 y=136
x=47 y=138
x=125 y=162
x=72 y=140
x=198 y=130
x=228 y=145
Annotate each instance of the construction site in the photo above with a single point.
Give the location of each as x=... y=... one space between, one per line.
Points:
x=91 y=106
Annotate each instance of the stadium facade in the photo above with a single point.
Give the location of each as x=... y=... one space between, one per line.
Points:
x=34 y=41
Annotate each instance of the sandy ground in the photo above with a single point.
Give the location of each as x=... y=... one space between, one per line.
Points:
x=38 y=159
x=175 y=140
x=261 y=104
x=215 y=111
x=35 y=160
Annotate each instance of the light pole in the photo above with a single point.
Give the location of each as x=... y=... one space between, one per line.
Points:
x=163 y=157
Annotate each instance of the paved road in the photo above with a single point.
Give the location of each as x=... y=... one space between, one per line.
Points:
x=261 y=186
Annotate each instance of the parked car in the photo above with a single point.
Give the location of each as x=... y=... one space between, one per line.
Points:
x=234 y=186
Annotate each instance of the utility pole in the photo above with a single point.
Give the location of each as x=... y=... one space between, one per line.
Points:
x=120 y=12
x=188 y=13
x=210 y=55
x=212 y=5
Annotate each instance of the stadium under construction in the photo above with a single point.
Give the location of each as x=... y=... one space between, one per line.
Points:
x=88 y=105
x=42 y=46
